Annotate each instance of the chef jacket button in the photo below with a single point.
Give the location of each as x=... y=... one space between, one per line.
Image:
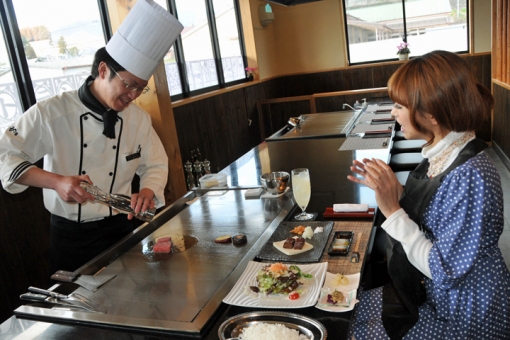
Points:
x=83 y=172
x=114 y=147
x=111 y=173
x=85 y=118
x=85 y=145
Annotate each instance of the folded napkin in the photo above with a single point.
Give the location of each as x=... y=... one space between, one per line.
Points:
x=347 y=207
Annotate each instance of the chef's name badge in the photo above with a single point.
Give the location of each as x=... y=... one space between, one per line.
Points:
x=135 y=155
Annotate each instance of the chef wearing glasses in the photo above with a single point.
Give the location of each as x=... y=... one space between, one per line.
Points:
x=95 y=134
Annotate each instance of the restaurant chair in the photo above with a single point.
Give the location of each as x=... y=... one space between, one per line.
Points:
x=399 y=135
x=411 y=145
x=405 y=161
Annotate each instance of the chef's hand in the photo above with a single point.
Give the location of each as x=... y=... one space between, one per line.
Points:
x=379 y=177
x=69 y=189
x=142 y=201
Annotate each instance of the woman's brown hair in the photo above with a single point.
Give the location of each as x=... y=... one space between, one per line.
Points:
x=442 y=84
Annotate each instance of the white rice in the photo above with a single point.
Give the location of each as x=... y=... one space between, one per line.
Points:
x=266 y=331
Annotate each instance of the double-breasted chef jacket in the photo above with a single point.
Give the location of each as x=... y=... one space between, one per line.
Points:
x=69 y=137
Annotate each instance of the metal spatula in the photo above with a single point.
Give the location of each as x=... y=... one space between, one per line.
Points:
x=89 y=282
x=355 y=254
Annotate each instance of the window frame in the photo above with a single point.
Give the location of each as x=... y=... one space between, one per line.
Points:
x=23 y=80
x=404 y=39
x=17 y=57
x=181 y=60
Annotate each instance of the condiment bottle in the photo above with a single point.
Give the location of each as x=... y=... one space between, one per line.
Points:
x=190 y=178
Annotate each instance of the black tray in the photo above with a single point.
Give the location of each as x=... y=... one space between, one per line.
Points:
x=342 y=241
x=282 y=232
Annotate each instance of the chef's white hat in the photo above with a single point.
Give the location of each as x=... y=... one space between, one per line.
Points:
x=143 y=38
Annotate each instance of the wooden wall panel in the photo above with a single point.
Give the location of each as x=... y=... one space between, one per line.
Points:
x=276 y=115
x=501 y=40
x=381 y=75
x=334 y=103
x=501 y=117
x=24 y=247
x=501 y=76
x=219 y=126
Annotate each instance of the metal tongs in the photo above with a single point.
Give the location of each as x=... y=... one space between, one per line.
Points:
x=73 y=300
x=294 y=121
x=120 y=203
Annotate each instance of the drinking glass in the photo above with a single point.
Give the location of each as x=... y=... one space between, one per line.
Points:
x=302 y=191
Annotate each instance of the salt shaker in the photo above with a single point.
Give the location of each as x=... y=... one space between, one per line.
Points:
x=190 y=178
x=207 y=166
x=198 y=170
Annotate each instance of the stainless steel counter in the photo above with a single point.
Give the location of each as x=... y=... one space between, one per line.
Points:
x=328 y=167
x=318 y=125
x=180 y=294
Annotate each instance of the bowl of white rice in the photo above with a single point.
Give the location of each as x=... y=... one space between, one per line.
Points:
x=269 y=325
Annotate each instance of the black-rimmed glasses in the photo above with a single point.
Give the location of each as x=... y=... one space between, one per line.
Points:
x=131 y=87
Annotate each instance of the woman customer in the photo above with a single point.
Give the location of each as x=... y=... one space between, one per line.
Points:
x=446 y=221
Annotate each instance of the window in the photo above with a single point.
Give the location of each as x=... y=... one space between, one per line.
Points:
x=210 y=51
x=10 y=106
x=228 y=40
x=49 y=48
x=46 y=48
x=60 y=38
x=376 y=27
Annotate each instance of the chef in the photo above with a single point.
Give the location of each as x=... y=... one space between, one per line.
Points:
x=95 y=134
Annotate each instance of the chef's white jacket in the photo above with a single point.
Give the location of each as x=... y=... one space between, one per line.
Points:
x=69 y=137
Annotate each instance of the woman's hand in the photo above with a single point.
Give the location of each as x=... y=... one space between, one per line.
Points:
x=142 y=201
x=379 y=177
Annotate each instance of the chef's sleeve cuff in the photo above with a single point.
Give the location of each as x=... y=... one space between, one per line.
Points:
x=9 y=183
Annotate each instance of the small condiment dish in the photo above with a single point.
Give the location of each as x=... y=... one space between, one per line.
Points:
x=275 y=182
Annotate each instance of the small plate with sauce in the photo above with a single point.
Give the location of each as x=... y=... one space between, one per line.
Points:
x=341 y=243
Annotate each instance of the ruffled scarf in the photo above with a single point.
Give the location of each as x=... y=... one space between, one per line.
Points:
x=445 y=151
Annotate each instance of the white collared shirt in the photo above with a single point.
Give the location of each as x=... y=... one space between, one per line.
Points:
x=69 y=137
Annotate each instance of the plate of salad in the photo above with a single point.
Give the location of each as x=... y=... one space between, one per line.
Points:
x=278 y=285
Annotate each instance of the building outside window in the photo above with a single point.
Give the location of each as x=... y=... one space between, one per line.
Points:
x=376 y=27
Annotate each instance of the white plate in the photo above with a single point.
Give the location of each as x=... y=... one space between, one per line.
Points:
x=279 y=245
x=352 y=288
x=241 y=295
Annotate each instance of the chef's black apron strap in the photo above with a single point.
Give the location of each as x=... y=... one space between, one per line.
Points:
x=406 y=293
x=73 y=244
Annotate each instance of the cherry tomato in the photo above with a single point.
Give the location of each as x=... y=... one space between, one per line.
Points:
x=294 y=296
